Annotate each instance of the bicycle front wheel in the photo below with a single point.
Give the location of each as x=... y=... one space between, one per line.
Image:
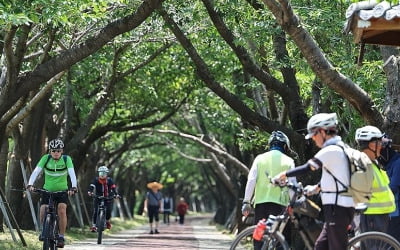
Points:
x=54 y=234
x=47 y=229
x=101 y=220
x=244 y=240
x=373 y=240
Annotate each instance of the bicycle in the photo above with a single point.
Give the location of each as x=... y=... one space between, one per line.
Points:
x=101 y=215
x=50 y=230
x=303 y=214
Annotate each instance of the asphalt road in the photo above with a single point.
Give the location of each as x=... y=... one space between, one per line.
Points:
x=196 y=233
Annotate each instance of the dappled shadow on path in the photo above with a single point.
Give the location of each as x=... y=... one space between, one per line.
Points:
x=197 y=233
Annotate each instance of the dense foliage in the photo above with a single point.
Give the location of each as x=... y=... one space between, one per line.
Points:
x=182 y=92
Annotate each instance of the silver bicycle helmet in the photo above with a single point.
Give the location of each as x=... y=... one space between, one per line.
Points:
x=56 y=144
x=368 y=133
x=322 y=120
x=278 y=136
x=103 y=169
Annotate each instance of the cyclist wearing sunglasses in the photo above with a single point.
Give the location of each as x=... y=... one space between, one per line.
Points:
x=56 y=171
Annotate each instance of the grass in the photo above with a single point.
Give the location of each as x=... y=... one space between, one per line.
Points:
x=72 y=235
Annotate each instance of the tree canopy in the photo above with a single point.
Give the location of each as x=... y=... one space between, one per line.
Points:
x=181 y=92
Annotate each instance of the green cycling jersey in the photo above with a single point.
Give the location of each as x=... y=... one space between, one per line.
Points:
x=55 y=172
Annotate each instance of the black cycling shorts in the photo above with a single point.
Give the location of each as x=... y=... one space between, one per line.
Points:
x=58 y=198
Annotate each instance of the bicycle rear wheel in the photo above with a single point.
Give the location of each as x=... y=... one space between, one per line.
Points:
x=244 y=240
x=101 y=220
x=373 y=240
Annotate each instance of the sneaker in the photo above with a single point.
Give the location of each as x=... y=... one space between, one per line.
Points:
x=60 y=242
x=156 y=231
x=93 y=229
x=151 y=231
x=108 y=225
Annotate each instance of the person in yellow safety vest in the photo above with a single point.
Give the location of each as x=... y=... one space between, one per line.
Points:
x=382 y=202
x=268 y=198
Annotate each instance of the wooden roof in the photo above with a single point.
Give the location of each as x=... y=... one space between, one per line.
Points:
x=374 y=23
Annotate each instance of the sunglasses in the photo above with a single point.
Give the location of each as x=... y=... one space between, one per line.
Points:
x=315 y=133
x=56 y=151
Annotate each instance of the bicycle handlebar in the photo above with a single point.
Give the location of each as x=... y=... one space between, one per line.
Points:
x=101 y=197
x=296 y=187
x=44 y=191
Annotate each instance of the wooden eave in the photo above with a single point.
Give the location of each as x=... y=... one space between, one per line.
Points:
x=376 y=31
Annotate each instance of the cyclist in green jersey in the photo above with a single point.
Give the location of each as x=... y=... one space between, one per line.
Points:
x=56 y=169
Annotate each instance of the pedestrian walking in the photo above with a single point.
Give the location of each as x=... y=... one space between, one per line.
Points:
x=167 y=205
x=152 y=205
x=182 y=209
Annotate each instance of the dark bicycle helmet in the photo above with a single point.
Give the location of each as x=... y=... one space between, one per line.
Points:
x=56 y=144
x=278 y=138
x=387 y=152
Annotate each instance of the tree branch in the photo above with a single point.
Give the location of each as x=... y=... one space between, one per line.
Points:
x=356 y=96
x=43 y=72
x=238 y=164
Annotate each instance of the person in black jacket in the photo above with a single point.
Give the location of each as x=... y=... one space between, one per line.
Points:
x=102 y=186
x=390 y=159
x=166 y=207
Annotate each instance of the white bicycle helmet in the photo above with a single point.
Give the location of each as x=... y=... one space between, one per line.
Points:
x=56 y=144
x=322 y=120
x=103 y=169
x=368 y=133
x=278 y=136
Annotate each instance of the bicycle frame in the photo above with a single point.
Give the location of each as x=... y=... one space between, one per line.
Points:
x=101 y=215
x=278 y=223
x=274 y=239
x=50 y=229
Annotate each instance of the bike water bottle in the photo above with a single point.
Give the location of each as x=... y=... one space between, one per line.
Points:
x=259 y=230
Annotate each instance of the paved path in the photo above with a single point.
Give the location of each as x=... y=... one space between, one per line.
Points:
x=197 y=233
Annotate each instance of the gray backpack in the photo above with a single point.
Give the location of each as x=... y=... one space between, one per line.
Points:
x=361 y=174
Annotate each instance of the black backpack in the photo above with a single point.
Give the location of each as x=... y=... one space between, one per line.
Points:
x=167 y=203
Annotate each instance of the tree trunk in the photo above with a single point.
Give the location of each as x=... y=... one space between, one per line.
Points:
x=391 y=107
x=28 y=148
x=3 y=172
x=15 y=182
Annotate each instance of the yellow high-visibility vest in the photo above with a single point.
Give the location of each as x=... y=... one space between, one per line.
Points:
x=382 y=200
x=271 y=163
